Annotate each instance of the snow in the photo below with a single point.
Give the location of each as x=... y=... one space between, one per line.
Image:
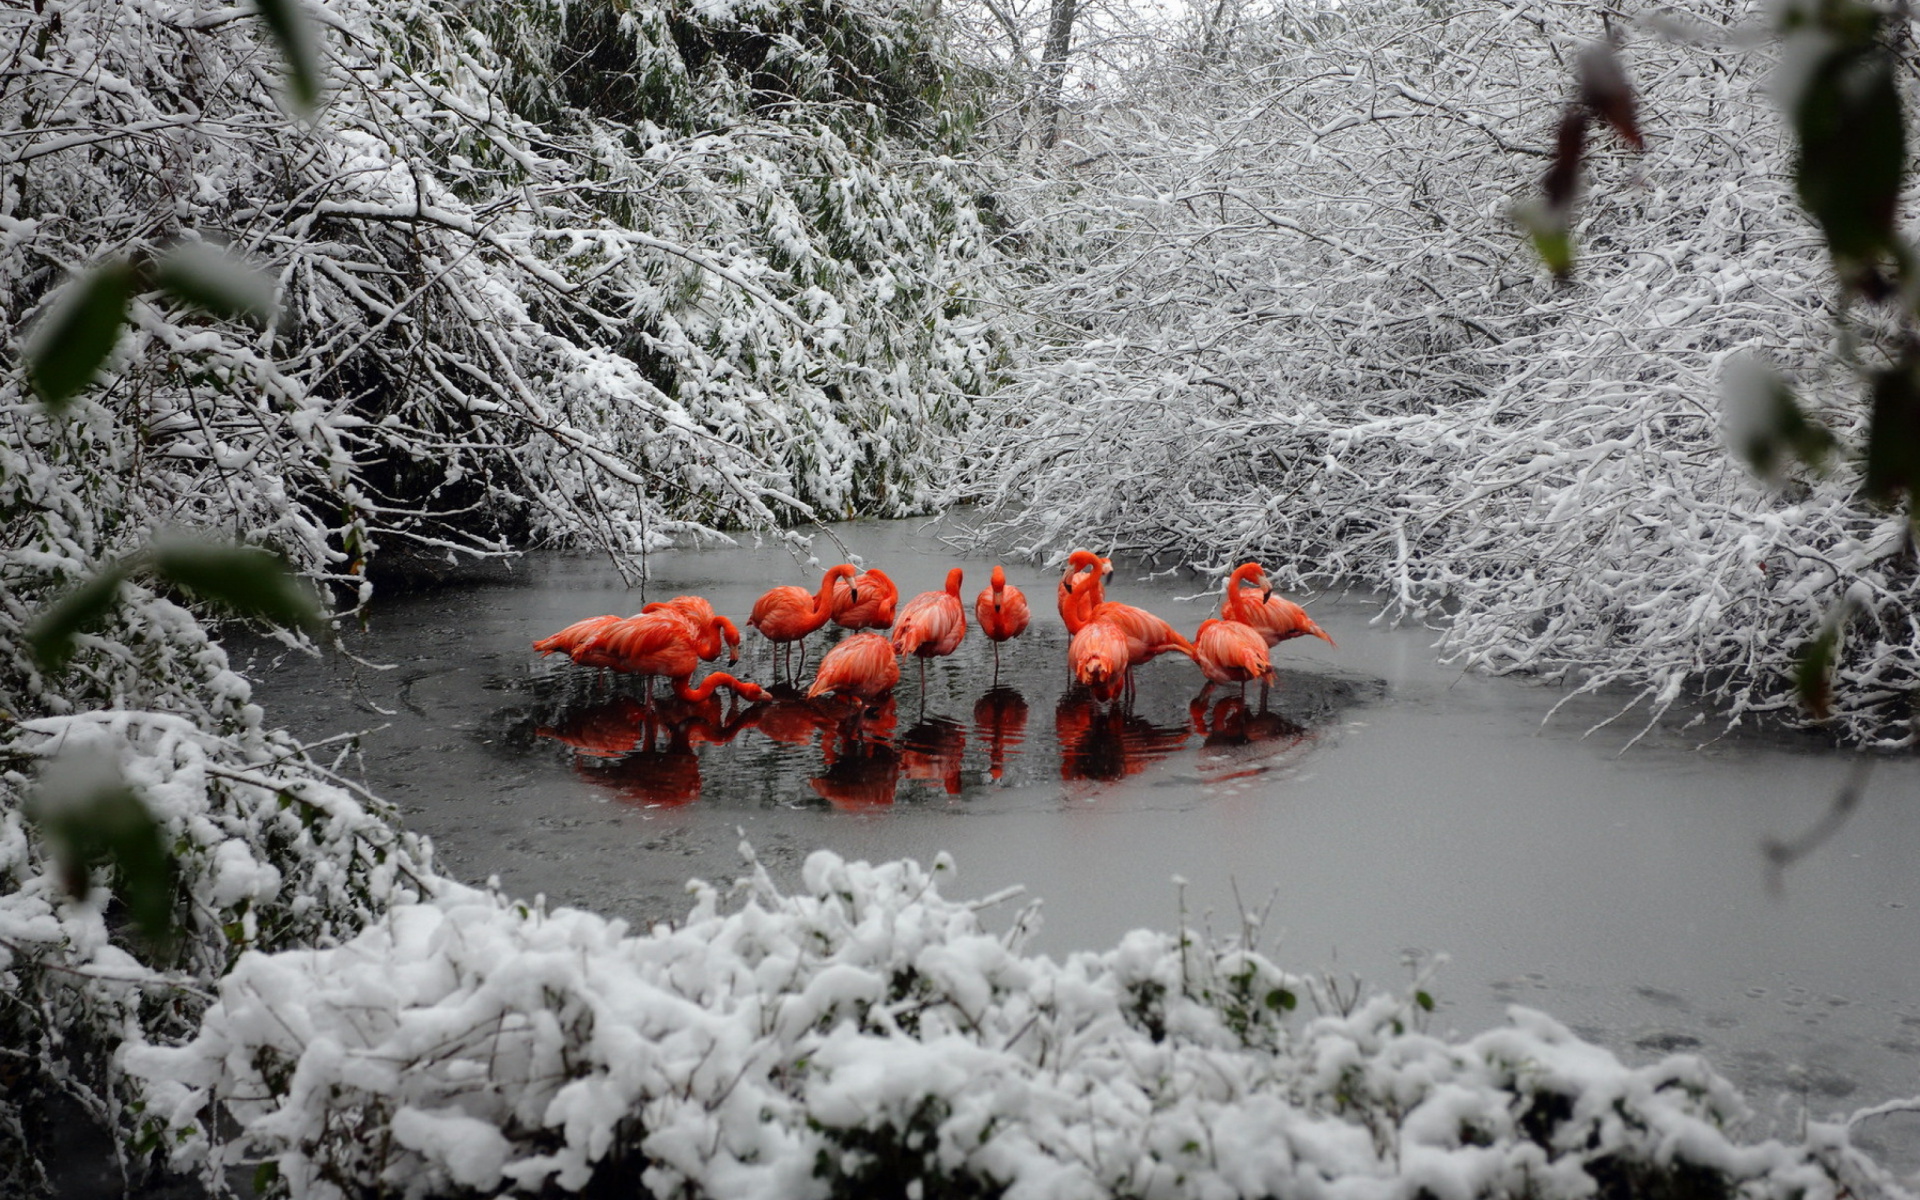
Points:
x=469 y=1039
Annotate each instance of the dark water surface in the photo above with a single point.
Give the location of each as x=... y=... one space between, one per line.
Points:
x=1385 y=807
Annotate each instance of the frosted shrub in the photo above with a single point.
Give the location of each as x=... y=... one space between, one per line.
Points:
x=588 y=274
x=1299 y=309
x=868 y=1035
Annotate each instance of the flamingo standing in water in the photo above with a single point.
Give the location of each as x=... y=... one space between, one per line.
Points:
x=659 y=644
x=1275 y=617
x=1002 y=612
x=1232 y=652
x=863 y=667
x=1078 y=562
x=932 y=624
x=1099 y=658
x=1148 y=636
x=788 y=614
x=866 y=601
x=699 y=613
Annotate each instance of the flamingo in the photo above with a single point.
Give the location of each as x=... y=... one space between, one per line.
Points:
x=788 y=614
x=1276 y=617
x=1099 y=658
x=1077 y=562
x=866 y=601
x=863 y=666
x=699 y=612
x=569 y=640
x=1002 y=612
x=932 y=624
x=1148 y=636
x=659 y=644
x=1232 y=652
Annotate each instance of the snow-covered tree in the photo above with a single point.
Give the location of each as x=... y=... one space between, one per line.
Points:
x=1292 y=297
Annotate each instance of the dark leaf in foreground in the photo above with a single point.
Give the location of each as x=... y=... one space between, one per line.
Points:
x=210 y=278
x=245 y=580
x=52 y=636
x=91 y=817
x=78 y=334
x=292 y=32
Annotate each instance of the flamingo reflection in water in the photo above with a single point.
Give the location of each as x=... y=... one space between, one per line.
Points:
x=1237 y=742
x=1107 y=742
x=862 y=769
x=932 y=752
x=1000 y=720
x=617 y=745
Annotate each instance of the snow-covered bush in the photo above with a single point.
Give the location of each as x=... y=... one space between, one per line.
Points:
x=1295 y=307
x=588 y=273
x=867 y=1036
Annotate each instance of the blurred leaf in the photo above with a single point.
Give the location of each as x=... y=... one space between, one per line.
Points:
x=1765 y=423
x=1547 y=230
x=1561 y=184
x=1893 y=436
x=1813 y=673
x=90 y=816
x=245 y=580
x=292 y=32
x=1424 y=999
x=210 y=278
x=52 y=636
x=77 y=335
x=1852 y=153
x=1605 y=90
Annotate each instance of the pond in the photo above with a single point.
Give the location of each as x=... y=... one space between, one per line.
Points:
x=1381 y=812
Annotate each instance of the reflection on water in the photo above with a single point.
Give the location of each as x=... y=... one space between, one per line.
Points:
x=648 y=750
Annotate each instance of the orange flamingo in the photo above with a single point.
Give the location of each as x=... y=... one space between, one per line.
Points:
x=866 y=601
x=659 y=644
x=1099 y=658
x=1002 y=612
x=569 y=640
x=1078 y=562
x=1148 y=636
x=788 y=614
x=863 y=667
x=706 y=623
x=1276 y=617
x=932 y=624
x=1231 y=652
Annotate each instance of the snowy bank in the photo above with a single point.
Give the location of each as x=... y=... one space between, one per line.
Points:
x=869 y=1036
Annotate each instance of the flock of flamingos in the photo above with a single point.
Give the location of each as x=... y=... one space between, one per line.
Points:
x=615 y=741
x=671 y=638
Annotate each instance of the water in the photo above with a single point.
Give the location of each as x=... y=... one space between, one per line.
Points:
x=1382 y=810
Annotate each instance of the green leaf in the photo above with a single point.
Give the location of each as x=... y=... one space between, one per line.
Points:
x=1765 y=423
x=208 y=277
x=245 y=580
x=90 y=816
x=1813 y=673
x=52 y=637
x=265 y=1175
x=1282 y=1000
x=1424 y=999
x=1893 y=435
x=292 y=32
x=1546 y=227
x=1852 y=151
x=77 y=335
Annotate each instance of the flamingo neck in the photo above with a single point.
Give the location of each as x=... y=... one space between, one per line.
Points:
x=1236 y=602
x=694 y=695
x=953 y=583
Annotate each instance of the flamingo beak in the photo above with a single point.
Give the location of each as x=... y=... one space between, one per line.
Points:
x=1266 y=594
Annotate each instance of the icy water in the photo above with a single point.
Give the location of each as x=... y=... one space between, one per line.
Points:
x=1381 y=811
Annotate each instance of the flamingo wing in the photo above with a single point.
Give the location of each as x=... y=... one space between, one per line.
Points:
x=864 y=665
